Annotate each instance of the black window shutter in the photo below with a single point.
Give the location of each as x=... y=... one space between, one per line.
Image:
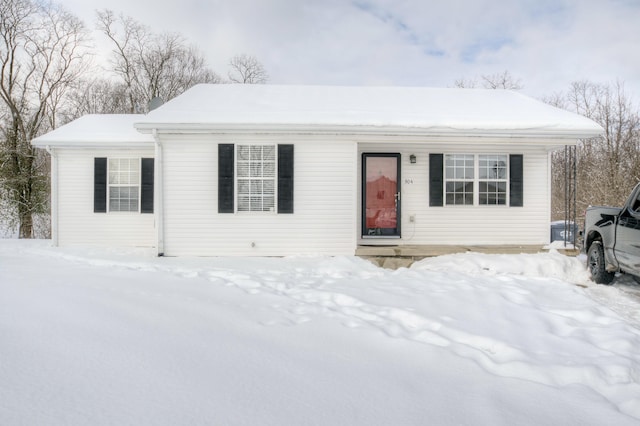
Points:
x=225 y=178
x=516 y=183
x=99 y=185
x=436 y=187
x=146 y=185
x=285 y=178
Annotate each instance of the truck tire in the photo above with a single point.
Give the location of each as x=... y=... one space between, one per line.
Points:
x=596 y=264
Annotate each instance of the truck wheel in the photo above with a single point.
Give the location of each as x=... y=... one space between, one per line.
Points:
x=596 y=264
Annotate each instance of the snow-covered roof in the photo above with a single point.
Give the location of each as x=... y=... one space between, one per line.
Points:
x=97 y=129
x=358 y=110
x=365 y=109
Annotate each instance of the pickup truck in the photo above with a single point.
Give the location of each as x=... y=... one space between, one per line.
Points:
x=612 y=239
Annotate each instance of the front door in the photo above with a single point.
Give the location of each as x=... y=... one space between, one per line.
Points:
x=380 y=195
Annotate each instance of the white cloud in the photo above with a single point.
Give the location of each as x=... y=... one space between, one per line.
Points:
x=545 y=43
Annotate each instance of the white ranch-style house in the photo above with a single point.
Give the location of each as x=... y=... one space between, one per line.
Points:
x=273 y=170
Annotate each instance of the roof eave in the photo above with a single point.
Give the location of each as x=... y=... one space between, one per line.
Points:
x=361 y=130
x=90 y=144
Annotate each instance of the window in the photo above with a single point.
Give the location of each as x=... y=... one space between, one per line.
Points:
x=635 y=206
x=467 y=175
x=256 y=178
x=492 y=184
x=257 y=192
x=124 y=184
x=459 y=179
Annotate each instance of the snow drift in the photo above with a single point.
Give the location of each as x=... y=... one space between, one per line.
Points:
x=90 y=336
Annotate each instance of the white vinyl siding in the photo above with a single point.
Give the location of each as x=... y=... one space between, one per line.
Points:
x=324 y=218
x=77 y=222
x=469 y=225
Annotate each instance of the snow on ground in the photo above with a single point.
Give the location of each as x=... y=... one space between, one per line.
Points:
x=90 y=336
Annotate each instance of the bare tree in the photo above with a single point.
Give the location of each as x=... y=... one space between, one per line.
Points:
x=463 y=83
x=503 y=80
x=607 y=167
x=41 y=54
x=151 y=65
x=247 y=70
x=95 y=96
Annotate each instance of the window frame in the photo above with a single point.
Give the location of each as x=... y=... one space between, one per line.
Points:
x=273 y=209
x=477 y=180
x=504 y=167
x=138 y=185
x=458 y=167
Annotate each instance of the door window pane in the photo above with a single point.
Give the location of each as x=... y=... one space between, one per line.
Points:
x=381 y=195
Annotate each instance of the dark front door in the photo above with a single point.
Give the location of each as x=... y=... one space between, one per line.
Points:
x=380 y=195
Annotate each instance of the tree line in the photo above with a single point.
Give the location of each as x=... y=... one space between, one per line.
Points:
x=605 y=168
x=48 y=77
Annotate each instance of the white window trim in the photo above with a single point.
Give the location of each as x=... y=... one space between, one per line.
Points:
x=505 y=180
x=476 y=181
x=110 y=185
x=274 y=210
x=464 y=180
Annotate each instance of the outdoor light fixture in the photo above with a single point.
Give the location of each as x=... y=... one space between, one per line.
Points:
x=412 y=159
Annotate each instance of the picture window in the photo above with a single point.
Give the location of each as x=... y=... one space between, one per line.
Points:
x=476 y=179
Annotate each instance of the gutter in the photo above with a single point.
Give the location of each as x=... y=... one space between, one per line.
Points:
x=158 y=199
x=534 y=132
x=54 y=195
x=87 y=144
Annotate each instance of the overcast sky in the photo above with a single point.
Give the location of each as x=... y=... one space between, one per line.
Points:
x=546 y=44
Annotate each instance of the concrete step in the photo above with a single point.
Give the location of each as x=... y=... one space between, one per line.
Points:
x=394 y=257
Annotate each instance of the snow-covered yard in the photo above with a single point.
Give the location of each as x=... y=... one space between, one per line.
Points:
x=94 y=337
